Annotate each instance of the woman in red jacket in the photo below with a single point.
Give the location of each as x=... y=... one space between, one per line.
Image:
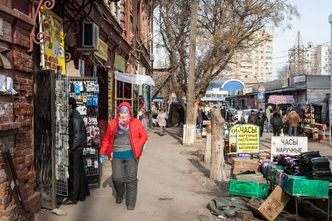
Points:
x=123 y=143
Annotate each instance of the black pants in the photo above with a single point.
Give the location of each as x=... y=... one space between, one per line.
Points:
x=124 y=176
x=261 y=129
x=79 y=188
x=276 y=131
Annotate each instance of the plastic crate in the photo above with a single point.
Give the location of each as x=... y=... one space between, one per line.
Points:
x=248 y=188
x=286 y=177
x=305 y=187
x=274 y=173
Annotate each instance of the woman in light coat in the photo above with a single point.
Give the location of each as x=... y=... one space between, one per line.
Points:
x=161 y=118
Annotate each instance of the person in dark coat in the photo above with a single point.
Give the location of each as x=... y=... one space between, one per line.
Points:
x=79 y=188
x=252 y=118
x=180 y=115
x=261 y=118
x=276 y=122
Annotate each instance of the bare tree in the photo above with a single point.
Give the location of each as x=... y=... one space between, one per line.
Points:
x=283 y=72
x=225 y=27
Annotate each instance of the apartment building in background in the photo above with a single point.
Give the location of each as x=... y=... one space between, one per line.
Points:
x=311 y=59
x=255 y=63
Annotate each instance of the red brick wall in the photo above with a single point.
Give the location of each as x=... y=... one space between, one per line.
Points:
x=16 y=111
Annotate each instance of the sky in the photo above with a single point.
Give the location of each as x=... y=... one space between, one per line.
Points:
x=313 y=26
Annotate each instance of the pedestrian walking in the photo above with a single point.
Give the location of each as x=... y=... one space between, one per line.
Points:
x=269 y=114
x=123 y=143
x=261 y=118
x=276 y=122
x=293 y=119
x=161 y=118
x=78 y=188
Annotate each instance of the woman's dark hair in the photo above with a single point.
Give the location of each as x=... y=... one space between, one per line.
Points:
x=72 y=102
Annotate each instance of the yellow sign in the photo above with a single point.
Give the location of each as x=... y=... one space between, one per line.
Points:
x=110 y=94
x=232 y=139
x=247 y=138
x=53 y=47
x=119 y=63
x=102 y=51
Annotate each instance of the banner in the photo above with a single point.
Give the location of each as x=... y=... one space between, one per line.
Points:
x=110 y=95
x=247 y=138
x=288 y=145
x=53 y=48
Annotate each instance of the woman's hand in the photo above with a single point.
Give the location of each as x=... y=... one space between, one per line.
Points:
x=102 y=159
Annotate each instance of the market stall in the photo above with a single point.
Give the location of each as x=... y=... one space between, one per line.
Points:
x=133 y=79
x=291 y=172
x=311 y=125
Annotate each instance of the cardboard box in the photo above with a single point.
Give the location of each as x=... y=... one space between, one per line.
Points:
x=272 y=206
x=242 y=165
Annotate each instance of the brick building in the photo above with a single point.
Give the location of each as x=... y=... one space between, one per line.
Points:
x=124 y=28
x=16 y=115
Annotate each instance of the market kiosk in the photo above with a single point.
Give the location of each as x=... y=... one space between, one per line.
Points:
x=311 y=125
x=301 y=174
x=291 y=172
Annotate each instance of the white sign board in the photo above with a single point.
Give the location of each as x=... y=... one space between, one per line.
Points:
x=288 y=145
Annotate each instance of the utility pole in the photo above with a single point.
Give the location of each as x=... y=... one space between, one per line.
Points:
x=189 y=131
x=330 y=101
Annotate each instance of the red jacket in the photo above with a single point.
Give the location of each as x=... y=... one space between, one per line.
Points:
x=138 y=136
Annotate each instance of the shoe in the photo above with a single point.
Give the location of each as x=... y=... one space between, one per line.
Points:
x=130 y=207
x=118 y=199
x=69 y=202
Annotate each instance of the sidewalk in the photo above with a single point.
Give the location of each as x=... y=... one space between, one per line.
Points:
x=171 y=187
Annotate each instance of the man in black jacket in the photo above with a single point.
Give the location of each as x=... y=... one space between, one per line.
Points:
x=77 y=141
x=261 y=118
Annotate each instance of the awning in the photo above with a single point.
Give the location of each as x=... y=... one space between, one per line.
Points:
x=158 y=100
x=281 y=99
x=134 y=78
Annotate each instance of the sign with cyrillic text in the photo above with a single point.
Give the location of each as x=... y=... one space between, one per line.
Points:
x=247 y=138
x=288 y=145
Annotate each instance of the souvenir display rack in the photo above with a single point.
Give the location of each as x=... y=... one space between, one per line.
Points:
x=85 y=90
x=61 y=136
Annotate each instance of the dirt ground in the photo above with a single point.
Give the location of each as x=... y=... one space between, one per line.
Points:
x=172 y=186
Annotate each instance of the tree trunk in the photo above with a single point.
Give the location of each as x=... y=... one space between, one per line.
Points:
x=190 y=129
x=217 y=170
x=207 y=155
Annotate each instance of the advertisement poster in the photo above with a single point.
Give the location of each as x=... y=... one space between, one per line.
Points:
x=232 y=139
x=247 y=139
x=110 y=95
x=288 y=145
x=53 y=47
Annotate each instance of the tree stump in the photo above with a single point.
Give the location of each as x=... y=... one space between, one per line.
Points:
x=217 y=169
x=207 y=154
